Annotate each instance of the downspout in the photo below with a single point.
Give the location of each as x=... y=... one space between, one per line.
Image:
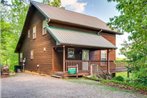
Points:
x=98 y=33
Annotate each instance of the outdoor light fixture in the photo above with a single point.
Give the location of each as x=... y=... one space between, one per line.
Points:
x=44 y=49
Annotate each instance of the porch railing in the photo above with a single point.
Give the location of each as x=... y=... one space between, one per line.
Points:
x=73 y=63
x=99 y=65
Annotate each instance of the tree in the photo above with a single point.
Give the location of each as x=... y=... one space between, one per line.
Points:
x=133 y=19
x=12 y=20
x=55 y=3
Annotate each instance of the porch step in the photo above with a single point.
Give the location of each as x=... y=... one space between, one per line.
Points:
x=56 y=76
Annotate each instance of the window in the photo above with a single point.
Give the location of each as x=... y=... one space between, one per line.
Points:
x=44 y=27
x=32 y=54
x=21 y=57
x=103 y=55
x=28 y=33
x=71 y=53
x=34 y=32
x=85 y=54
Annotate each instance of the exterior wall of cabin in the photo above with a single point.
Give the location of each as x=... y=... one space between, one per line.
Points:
x=46 y=59
x=42 y=57
x=94 y=55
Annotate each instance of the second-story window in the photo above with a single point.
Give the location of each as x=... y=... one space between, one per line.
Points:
x=44 y=23
x=34 y=32
x=28 y=33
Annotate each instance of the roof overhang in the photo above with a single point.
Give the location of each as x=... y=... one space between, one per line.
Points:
x=79 y=38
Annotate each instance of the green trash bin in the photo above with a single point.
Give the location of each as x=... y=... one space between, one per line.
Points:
x=72 y=70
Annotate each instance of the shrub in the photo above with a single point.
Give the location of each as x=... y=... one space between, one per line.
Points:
x=119 y=78
x=142 y=81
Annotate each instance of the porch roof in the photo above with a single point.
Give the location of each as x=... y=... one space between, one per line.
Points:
x=80 y=38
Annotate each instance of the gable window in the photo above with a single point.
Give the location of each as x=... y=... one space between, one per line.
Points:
x=44 y=23
x=31 y=54
x=28 y=33
x=103 y=55
x=71 y=53
x=34 y=32
x=21 y=57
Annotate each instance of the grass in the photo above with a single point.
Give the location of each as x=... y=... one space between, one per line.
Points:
x=83 y=81
x=113 y=85
x=95 y=83
x=123 y=74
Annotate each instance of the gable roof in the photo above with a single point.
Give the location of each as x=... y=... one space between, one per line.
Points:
x=78 y=38
x=66 y=16
x=63 y=16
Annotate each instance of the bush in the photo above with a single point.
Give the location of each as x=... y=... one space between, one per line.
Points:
x=142 y=81
x=119 y=78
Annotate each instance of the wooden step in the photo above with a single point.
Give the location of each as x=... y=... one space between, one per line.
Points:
x=56 y=76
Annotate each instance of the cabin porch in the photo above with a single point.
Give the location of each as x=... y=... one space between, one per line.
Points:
x=84 y=59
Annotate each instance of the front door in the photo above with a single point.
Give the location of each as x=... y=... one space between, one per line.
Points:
x=85 y=58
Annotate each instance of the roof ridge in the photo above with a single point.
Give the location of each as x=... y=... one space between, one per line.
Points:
x=65 y=15
x=66 y=10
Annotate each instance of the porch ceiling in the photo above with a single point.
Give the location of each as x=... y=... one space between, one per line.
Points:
x=80 y=38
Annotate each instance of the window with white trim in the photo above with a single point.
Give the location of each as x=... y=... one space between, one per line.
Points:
x=103 y=55
x=31 y=54
x=21 y=57
x=44 y=27
x=28 y=33
x=71 y=53
x=34 y=32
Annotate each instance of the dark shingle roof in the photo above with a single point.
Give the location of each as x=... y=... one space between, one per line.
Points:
x=62 y=15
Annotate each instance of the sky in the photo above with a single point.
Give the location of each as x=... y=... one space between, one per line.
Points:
x=101 y=9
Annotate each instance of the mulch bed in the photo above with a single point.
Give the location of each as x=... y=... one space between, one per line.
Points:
x=121 y=86
x=126 y=87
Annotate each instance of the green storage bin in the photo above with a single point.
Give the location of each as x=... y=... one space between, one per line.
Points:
x=72 y=70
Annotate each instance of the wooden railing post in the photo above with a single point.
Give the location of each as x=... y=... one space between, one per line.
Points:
x=108 y=65
x=91 y=69
x=63 y=59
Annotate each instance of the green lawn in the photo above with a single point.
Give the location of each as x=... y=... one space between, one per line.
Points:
x=123 y=74
x=96 y=83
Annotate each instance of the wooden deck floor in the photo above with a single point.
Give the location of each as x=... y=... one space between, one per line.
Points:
x=119 y=69
x=61 y=74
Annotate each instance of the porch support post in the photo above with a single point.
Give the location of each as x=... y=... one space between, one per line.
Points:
x=53 y=64
x=108 y=61
x=63 y=59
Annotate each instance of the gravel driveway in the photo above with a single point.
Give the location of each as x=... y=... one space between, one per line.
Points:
x=25 y=85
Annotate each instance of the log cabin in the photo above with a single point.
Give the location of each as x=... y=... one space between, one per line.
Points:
x=54 y=39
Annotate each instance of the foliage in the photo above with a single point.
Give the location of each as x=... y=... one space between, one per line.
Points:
x=12 y=20
x=55 y=3
x=133 y=19
x=119 y=78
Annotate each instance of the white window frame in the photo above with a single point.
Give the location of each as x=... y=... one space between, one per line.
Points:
x=85 y=55
x=71 y=53
x=103 y=55
x=34 y=32
x=28 y=33
x=21 y=57
x=31 y=54
x=44 y=27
